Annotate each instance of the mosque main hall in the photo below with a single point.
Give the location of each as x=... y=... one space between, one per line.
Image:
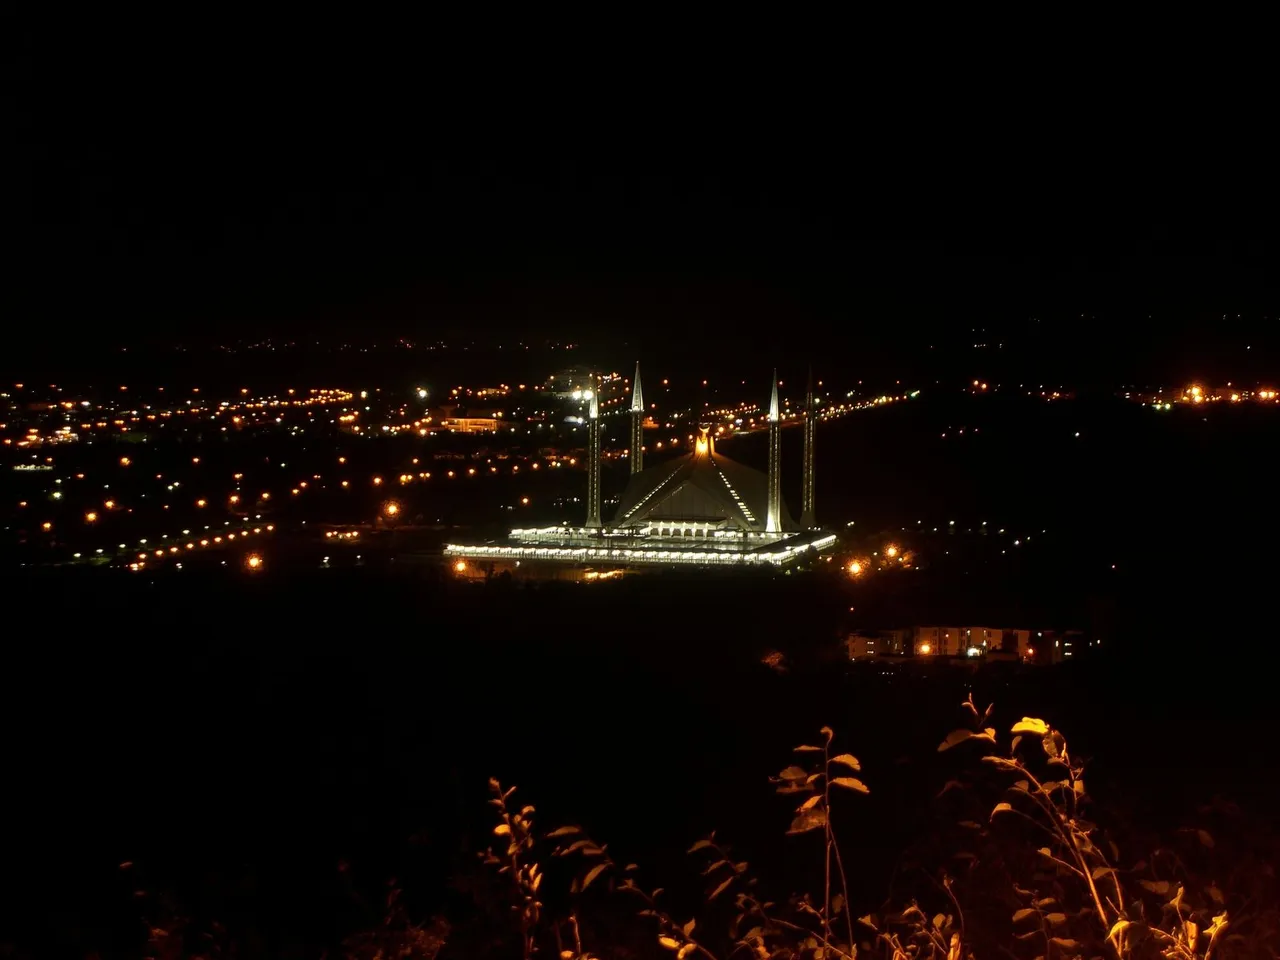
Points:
x=700 y=510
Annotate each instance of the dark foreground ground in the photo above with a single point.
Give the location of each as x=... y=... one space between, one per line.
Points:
x=270 y=751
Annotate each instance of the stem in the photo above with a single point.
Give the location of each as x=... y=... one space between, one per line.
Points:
x=1069 y=838
x=844 y=885
x=826 y=804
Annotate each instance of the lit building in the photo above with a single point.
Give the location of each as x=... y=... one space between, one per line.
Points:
x=698 y=510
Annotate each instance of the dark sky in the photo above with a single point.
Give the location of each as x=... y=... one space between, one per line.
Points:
x=190 y=179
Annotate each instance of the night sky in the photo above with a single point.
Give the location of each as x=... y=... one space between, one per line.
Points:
x=211 y=181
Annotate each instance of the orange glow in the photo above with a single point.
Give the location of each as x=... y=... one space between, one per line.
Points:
x=891 y=551
x=234 y=498
x=266 y=495
x=460 y=566
x=524 y=501
x=201 y=502
x=377 y=481
x=90 y=517
x=46 y=526
x=926 y=648
x=254 y=561
x=346 y=483
x=125 y=461
x=855 y=568
x=391 y=509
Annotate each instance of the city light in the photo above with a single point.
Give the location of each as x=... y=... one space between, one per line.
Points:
x=926 y=648
x=391 y=508
x=460 y=566
x=891 y=551
x=855 y=568
x=90 y=517
x=253 y=561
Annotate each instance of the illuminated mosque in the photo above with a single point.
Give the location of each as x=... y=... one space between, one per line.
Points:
x=698 y=510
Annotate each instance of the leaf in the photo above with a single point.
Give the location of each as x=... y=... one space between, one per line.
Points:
x=1215 y=895
x=828 y=733
x=938 y=921
x=1100 y=872
x=562 y=832
x=715 y=866
x=1030 y=725
x=837 y=904
x=950 y=785
x=1155 y=886
x=1065 y=943
x=502 y=830
x=687 y=929
x=805 y=748
x=1120 y=927
x=810 y=803
x=1001 y=808
x=793 y=773
x=700 y=845
x=1055 y=919
x=809 y=820
x=1205 y=838
x=849 y=783
x=669 y=943
x=721 y=888
x=869 y=921
x=1078 y=787
x=1022 y=914
x=594 y=872
x=970 y=825
x=1050 y=745
x=687 y=949
x=848 y=760
x=954 y=737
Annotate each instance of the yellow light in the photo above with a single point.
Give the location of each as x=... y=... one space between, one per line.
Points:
x=266 y=495
x=254 y=561
x=524 y=501
x=891 y=551
x=346 y=483
x=46 y=526
x=1196 y=391
x=377 y=481
x=1031 y=651
x=234 y=498
x=926 y=648
x=855 y=568
x=391 y=509
x=125 y=461
x=460 y=566
x=342 y=459
x=90 y=517
x=201 y=502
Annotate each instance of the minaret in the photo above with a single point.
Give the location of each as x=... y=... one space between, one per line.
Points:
x=593 y=458
x=810 y=425
x=773 y=522
x=637 y=424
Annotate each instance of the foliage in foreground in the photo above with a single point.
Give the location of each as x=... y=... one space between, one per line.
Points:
x=1042 y=882
x=1025 y=871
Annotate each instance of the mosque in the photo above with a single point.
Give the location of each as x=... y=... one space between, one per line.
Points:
x=700 y=510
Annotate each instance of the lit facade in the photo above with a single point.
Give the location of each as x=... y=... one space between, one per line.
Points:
x=698 y=510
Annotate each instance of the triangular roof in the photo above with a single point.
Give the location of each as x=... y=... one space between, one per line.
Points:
x=702 y=486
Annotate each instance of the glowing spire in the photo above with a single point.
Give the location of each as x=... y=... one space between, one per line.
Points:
x=637 y=425
x=810 y=426
x=773 y=517
x=637 y=395
x=593 y=457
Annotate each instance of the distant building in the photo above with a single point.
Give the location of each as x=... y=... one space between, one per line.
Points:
x=457 y=419
x=959 y=641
